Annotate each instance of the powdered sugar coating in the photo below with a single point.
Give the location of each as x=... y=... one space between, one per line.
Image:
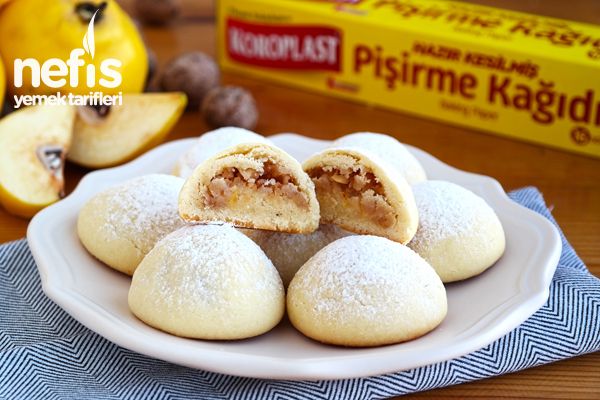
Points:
x=123 y=223
x=459 y=234
x=144 y=208
x=251 y=185
x=388 y=149
x=289 y=251
x=445 y=210
x=211 y=143
x=364 y=291
x=380 y=202
x=207 y=281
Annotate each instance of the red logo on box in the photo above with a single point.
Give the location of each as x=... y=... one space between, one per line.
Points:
x=284 y=46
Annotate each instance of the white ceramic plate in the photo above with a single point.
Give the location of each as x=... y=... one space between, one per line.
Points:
x=480 y=310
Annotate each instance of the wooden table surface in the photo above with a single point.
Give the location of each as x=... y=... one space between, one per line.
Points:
x=570 y=183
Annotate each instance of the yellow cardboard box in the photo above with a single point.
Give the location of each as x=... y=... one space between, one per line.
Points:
x=519 y=75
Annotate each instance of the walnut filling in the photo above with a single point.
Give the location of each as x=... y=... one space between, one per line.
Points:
x=358 y=187
x=273 y=180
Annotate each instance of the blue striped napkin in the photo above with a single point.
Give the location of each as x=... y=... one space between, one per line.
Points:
x=45 y=354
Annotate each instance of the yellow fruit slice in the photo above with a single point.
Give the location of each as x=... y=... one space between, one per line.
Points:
x=33 y=145
x=104 y=137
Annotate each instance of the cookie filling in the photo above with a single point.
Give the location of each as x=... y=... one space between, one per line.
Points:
x=358 y=187
x=273 y=180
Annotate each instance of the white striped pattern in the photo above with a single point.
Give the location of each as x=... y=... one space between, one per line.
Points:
x=45 y=354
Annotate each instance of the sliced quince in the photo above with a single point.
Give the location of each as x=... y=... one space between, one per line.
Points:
x=33 y=145
x=108 y=136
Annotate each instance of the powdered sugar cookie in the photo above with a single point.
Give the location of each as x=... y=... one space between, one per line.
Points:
x=120 y=225
x=251 y=185
x=361 y=193
x=366 y=291
x=459 y=233
x=207 y=282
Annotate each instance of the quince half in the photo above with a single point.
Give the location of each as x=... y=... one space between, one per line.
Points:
x=33 y=145
x=107 y=136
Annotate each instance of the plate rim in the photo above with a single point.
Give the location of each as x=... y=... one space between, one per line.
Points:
x=308 y=369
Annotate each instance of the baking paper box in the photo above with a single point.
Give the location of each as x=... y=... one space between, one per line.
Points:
x=519 y=75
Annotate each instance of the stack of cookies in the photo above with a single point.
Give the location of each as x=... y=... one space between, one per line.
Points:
x=358 y=236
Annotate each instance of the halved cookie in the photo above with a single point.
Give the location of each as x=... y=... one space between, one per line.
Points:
x=359 y=192
x=212 y=143
x=388 y=149
x=251 y=185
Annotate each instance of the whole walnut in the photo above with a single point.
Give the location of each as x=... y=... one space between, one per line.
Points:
x=230 y=106
x=157 y=12
x=193 y=73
